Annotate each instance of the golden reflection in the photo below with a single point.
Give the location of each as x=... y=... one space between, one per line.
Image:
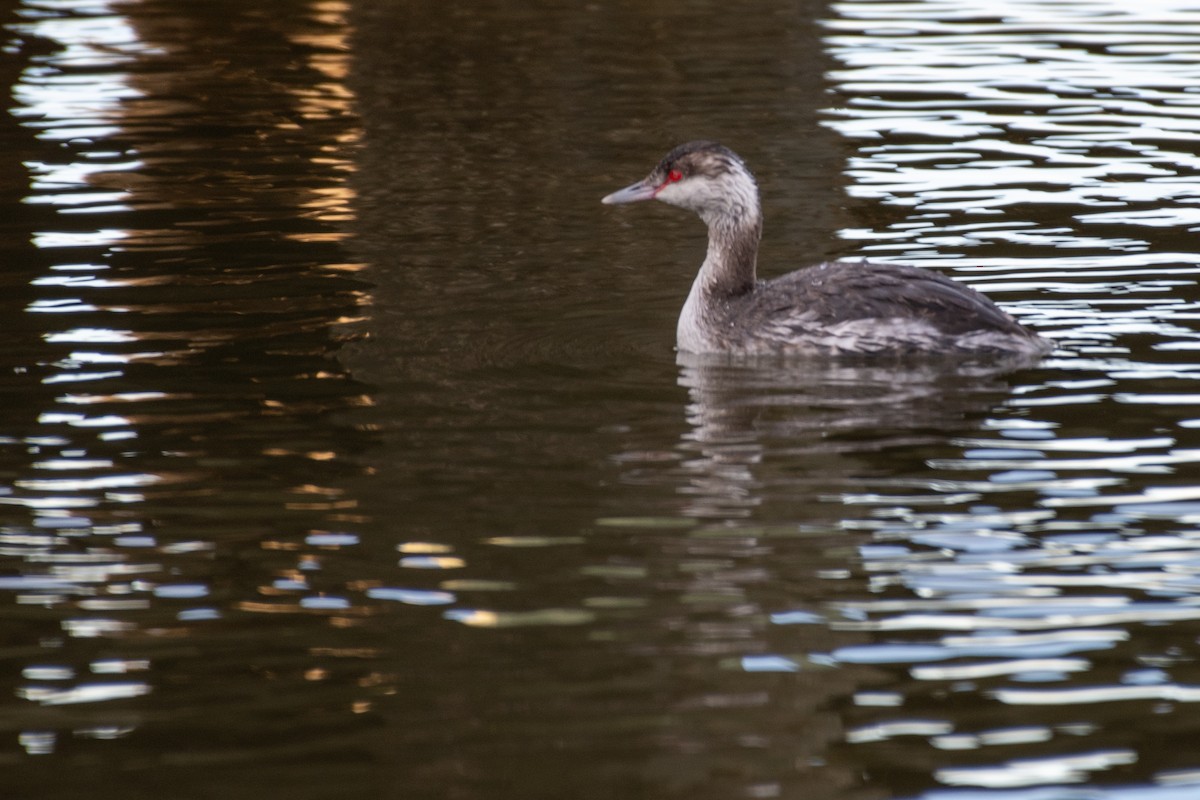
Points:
x=269 y=608
x=102 y=175
x=346 y=652
x=191 y=277
x=338 y=505
x=478 y=618
x=318 y=490
x=324 y=455
x=375 y=679
x=329 y=99
x=423 y=547
x=119 y=397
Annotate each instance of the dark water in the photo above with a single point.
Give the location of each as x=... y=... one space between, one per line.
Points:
x=345 y=451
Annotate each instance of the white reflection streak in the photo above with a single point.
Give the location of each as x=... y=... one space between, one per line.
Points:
x=1158 y=463
x=91 y=336
x=1096 y=694
x=982 y=108
x=969 y=672
x=93 y=693
x=1153 y=494
x=889 y=730
x=61 y=105
x=1093 y=444
x=71 y=97
x=1034 y=772
x=87 y=484
x=950 y=622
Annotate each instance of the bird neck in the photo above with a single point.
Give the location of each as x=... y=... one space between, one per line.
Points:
x=730 y=266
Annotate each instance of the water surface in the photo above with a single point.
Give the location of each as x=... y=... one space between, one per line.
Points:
x=347 y=453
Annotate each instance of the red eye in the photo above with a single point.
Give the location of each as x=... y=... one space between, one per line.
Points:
x=674 y=175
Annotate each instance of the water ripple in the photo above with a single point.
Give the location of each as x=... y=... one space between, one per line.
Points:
x=1045 y=153
x=962 y=116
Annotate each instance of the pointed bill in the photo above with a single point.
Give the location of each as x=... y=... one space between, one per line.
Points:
x=631 y=194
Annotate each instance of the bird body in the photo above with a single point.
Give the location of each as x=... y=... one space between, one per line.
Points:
x=834 y=308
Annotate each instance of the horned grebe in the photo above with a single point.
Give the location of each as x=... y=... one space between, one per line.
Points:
x=827 y=309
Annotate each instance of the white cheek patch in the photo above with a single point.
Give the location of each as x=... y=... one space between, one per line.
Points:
x=684 y=194
x=726 y=196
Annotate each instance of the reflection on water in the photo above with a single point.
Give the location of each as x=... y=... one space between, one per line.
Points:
x=176 y=276
x=345 y=453
x=1047 y=147
x=749 y=418
x=1063 y=130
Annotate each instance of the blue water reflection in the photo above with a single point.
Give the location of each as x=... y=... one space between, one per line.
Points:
x=1041 y=152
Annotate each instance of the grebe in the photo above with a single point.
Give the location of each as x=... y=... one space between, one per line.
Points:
x=828 y=309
